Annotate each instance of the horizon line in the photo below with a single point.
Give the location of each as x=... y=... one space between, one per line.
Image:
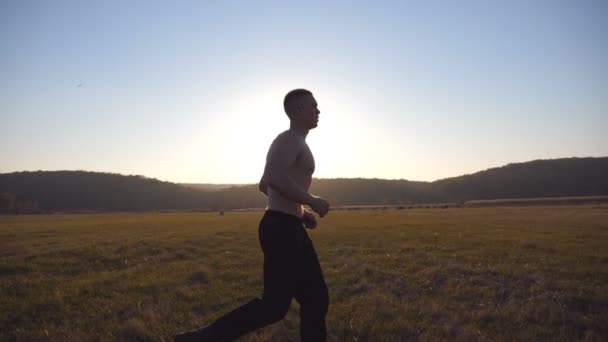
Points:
x=319 y=178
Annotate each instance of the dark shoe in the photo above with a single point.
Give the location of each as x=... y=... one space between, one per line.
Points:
x=200 y=335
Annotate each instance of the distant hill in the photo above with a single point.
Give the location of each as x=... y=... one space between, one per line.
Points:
x=81 y=190
x=538 y=178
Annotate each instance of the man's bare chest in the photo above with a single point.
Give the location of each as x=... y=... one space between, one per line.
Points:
x=305 y=162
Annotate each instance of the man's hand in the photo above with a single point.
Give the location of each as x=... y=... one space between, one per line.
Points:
x=319 y=205
x=310 y=221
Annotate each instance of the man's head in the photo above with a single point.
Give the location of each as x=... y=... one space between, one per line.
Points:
x=301 y=108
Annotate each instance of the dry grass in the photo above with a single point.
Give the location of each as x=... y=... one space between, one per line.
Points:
x=512 y=273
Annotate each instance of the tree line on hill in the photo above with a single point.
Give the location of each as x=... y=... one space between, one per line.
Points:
x=81 y=190
x=93 y=191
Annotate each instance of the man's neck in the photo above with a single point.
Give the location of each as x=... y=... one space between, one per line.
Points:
x=301 y=131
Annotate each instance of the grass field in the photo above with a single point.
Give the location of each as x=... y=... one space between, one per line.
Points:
x=500 y=273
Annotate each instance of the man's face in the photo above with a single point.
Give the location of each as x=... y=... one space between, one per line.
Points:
x=308 y=111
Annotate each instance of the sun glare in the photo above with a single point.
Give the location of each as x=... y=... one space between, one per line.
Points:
x=233 y=145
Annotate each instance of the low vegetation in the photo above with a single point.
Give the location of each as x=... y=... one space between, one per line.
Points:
x=496 y=273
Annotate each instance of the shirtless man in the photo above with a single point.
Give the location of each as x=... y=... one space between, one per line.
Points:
x=291 y=266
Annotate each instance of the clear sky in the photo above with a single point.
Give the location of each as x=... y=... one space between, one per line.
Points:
x=191 y=91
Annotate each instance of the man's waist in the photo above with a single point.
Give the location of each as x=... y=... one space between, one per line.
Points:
x=295 y=210
x=282 y=214
x=281 y=204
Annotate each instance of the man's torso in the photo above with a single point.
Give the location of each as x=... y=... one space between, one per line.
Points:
x=301 y=173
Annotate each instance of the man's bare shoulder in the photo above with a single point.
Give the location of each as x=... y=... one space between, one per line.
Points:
x=288 y=138
x=285 y=149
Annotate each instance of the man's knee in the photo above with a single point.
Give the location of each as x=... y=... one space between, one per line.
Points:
x=276 y=310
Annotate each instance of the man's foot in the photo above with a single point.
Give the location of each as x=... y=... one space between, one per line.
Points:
x=200 y=335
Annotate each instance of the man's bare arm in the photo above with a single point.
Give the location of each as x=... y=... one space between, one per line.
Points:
x=289 y=189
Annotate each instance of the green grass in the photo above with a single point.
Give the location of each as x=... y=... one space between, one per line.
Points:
x=510 y=273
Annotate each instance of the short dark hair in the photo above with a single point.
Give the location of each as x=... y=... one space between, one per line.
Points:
x=294 y=95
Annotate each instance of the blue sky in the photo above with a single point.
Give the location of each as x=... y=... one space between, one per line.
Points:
x=192 y=91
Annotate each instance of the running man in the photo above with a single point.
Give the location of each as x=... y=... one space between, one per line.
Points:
x=291 y=266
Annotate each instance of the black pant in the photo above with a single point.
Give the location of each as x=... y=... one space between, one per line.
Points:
x=291 y=269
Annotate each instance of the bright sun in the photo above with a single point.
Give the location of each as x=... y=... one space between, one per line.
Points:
x=234 y=145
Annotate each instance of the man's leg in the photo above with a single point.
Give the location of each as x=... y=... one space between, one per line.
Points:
x=272 y=307
x=279 y=289
x=311 y=293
